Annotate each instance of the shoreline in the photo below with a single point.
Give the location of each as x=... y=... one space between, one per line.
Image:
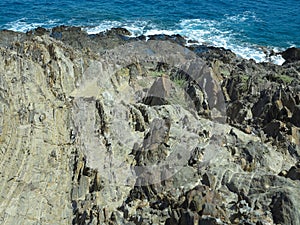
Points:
x=260 y=53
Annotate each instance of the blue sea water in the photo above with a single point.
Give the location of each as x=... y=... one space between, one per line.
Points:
x=245 y=27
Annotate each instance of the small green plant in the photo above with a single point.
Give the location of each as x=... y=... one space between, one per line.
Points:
x=244 y=78
x=284 y=79
x=156 y=73
x=179 y=82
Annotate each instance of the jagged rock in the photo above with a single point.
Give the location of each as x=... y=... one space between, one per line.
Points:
x=159 y=92
x=178 y=39
x=282 y=210
x=208 y=221
x=295 y=135
x=238 y=113
x=296 y=116
x=8 y=37
x=188 y=218
x=197 y=96
x=273 y=129
x=83 y=141
x=117 y=31
x=38 y=31
x=294 y=173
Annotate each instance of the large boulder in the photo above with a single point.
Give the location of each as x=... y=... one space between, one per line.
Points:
x=291 y=54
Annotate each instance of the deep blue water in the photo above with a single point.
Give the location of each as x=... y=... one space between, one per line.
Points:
x=240 y=25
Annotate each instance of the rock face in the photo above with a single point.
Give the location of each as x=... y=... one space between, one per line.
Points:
x=107 y=129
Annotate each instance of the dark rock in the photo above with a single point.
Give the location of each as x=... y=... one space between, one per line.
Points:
x=118 y=31
x=281 y=209
x=296 y=116
x=204 y=201
x=199 y=49
x=262 y=105
x=272 y=129
x=39 y=31
x=208 y=180
x=172 y=38
x=238 y=113
x=287 y=99
x=294 y=173
x=211 y=53
x=196 y=156
x=64 y=32
x=291 y=54
x=198 y=99
x=208 y=221
x=189 y=218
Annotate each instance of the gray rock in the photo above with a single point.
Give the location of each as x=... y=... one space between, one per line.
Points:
x=84 y=141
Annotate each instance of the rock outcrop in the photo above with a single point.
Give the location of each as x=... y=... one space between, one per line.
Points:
x=291 y=54
x=110 y=129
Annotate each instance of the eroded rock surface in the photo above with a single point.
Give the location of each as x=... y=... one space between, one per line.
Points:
x=107 y=129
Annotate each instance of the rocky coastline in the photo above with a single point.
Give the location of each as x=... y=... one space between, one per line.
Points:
x=113 y=129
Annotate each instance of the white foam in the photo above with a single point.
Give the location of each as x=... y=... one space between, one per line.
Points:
x=138 y=27
x=207 y=32
x=22 y=25
x=277 y=59
x=104 y=26
x=158 y=32
x=243 y=17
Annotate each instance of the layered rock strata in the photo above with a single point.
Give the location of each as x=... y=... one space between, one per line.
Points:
x=108 y=129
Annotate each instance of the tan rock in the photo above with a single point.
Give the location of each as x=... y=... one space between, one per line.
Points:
x=78 y=144
x=295 y=135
